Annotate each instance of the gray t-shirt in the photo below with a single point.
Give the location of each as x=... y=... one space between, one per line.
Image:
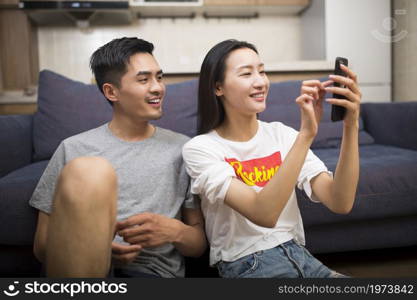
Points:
x=151 y=178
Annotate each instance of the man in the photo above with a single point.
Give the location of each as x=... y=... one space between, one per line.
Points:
x=116 y=194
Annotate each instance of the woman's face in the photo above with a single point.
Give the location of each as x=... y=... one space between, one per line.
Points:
x=245 y=86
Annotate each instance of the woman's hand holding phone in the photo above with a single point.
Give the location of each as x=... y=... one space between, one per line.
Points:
x=312 y=95
x=351 y=93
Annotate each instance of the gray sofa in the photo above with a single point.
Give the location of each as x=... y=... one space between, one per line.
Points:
x=385 y=210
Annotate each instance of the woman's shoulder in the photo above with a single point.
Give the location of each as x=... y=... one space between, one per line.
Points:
x=200 y=140
x=202 y=149
x=279 y=133
x=277 y=127
x=202 y=143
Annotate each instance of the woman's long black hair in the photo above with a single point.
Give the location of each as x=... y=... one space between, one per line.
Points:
x=210 y=107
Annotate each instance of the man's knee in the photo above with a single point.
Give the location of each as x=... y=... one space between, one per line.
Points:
x=89 y=170
x=87 y=179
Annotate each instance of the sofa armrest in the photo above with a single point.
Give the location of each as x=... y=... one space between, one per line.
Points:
x=392 y=123
x=15 y=141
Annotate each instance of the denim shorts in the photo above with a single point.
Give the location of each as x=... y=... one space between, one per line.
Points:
x=288 y=260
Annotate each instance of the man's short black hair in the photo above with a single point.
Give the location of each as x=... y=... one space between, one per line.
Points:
x=109 y=62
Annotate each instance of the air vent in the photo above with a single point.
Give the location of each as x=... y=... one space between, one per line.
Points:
x=79 y=13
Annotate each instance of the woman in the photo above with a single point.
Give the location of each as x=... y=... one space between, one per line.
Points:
x=245 y=170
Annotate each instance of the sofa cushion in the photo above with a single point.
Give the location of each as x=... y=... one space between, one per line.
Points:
x=360 y=235
x=65 y=107
x=392 y=123
x=16 y=137
x=16 y=188
x=281 y=107
x=180 y=108
x=387 y=186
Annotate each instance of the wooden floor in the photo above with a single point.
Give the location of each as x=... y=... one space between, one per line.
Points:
x=382 y=263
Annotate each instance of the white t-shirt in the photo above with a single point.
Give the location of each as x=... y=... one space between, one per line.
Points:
x=212 y=162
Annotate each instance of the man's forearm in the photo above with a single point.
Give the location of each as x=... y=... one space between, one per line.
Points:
x=190 y=240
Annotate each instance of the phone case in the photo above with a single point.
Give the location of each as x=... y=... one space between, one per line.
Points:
x=338 y=112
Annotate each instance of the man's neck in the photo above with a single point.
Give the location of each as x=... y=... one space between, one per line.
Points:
x=129 y=130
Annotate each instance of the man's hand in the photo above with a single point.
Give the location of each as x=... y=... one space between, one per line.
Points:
x=124 y=254
x=149 y=230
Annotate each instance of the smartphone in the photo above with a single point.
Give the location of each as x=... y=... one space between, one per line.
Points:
x=338 y=112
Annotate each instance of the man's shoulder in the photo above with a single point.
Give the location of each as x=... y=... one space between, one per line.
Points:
x=85 y=137
x=172 y=137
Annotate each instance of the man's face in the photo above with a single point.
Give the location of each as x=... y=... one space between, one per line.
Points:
x=141 y=90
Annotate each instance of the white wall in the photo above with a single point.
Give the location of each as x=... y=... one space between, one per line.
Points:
x=328 y=28
x=180 y=44
x=355 y=29
x=313 y=32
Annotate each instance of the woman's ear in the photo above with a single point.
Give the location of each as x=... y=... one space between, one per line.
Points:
x=110 y=92
x=219 y=89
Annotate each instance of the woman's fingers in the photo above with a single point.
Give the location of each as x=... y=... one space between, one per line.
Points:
x=341 y=102
x=327 y=83
x=315 y=88
x=313 y=91
x=349 y=82
x=304 y=98
x=313 y=82
x=343 y=91
x=324 y=85
x=349 y=73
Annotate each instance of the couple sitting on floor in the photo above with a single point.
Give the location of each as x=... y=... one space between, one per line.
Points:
x=121 y=199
